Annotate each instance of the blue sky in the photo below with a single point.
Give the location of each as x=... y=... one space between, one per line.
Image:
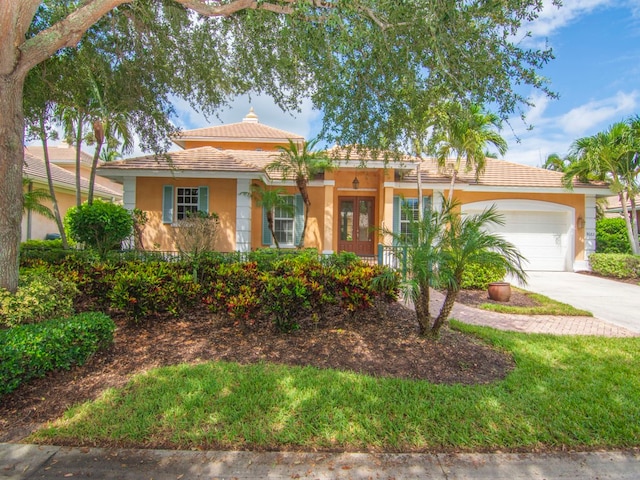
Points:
x=596 y=73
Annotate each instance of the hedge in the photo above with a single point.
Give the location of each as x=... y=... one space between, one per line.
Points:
x=30 y=351
x=618 y=265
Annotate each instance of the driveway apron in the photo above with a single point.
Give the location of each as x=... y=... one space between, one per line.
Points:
x=614 y=302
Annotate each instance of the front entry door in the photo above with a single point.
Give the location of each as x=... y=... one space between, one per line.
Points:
x=356 y=218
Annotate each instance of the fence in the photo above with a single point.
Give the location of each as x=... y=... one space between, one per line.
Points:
x=394 y=257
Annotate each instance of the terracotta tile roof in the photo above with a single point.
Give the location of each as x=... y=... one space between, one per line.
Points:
x=363 y=155
x=250 y=129
x=34 y=169
x=60 y=154
x=200 y=159
x=498 y=173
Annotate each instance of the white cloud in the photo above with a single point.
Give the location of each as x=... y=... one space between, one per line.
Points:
x=552 y=18
x=581 y=120
x=268 y=114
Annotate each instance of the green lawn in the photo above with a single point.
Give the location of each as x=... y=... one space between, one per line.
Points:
x=547 y=306
x=574 y=392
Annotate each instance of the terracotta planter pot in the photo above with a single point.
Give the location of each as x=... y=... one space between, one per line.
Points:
x=500 y=291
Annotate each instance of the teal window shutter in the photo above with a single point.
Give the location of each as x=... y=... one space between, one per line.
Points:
x=203 y=199
x=395 y=225
x=267 y=238
x=397 y=205
x=426 y=203
x=299 y=219
x=167 y=204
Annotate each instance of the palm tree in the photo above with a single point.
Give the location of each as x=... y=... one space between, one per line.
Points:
x=556 y=163
x=110 y=124
x=612 y=156
x=465 y=134
x=270 y=200
x=301 y=163
x=465 y=241
x=33 y=198
x=438 y=250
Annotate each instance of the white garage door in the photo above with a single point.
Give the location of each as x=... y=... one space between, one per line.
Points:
x=544 y=237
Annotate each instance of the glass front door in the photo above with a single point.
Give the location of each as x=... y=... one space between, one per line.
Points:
x=356 y=222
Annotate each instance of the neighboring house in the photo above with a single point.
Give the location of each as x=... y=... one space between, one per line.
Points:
x=613 y=208
x=64 y=156
x=35 y=226
x=351 y=205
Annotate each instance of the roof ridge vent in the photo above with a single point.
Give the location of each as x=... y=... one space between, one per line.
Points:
x=251 y=117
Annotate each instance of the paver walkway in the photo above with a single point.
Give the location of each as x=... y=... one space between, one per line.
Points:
x=554 y=324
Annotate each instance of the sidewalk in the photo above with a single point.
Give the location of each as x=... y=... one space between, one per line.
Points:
x=22 y=462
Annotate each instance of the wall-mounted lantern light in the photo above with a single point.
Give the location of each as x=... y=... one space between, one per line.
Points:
x=355 y=183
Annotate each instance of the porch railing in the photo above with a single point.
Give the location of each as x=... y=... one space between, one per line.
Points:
x=394 y=257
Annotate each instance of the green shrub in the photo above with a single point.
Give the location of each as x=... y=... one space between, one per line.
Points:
x=146 y=288
x=617 y=265
x=30 y=351
x=235 y=290
x=341 y=260
x=101 y=226
x=611 y=236
x=49 y=251
x=93 y=277
x=478 y=277
x=287 y=299
x=40 y=296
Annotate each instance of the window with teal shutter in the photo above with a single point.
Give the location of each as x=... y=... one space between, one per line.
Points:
x=405 y=210
x=167 y=204
x=267 y=238
x=203 y=199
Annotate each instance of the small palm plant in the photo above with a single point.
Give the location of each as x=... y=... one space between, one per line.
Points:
x=438 y=248
x=270 y=200
x=301 y=163
x=32 y=200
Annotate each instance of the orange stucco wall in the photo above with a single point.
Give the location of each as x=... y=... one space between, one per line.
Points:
x=371 y=183
x=315 y=226
x=161 y=236
x=40 y=225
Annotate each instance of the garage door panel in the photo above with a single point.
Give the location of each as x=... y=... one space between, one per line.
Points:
x=542 y=237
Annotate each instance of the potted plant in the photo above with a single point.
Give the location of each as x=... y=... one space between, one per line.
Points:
x=500 y=291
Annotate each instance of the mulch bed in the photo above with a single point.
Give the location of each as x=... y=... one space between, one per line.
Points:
x=382 y=343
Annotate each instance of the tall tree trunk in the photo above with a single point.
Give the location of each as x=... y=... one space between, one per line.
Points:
x=624 y=197
x=52 y=190
x=92 y=177
x=302 y=187
x=453 y=182
x=78 y=151
x=634 y=221
x=272 y=228
x=11 y=161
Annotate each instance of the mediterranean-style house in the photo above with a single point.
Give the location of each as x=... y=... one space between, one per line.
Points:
x=38 y=227
x=554 y=228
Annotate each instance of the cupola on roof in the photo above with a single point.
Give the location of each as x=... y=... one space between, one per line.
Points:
x=249 y=130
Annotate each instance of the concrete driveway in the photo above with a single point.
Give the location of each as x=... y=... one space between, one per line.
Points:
x=614 y=302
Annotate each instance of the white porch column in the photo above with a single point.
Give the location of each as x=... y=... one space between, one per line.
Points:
x=387 y=211
x=243 y=216
x=436 y=200
x=129 y=202
x=589 y=232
